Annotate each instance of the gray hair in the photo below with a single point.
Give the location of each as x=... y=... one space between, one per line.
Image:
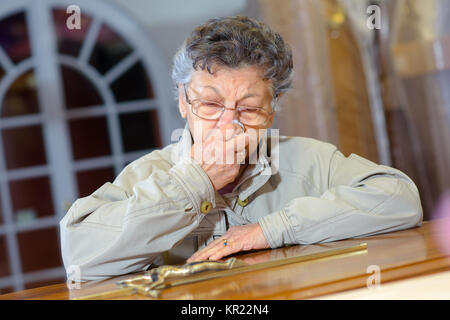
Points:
x=234 y=42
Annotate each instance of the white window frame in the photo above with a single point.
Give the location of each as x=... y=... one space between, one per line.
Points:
x=53 y=116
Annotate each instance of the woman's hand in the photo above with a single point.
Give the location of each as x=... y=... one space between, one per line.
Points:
x=238 y=238
x=221 y=158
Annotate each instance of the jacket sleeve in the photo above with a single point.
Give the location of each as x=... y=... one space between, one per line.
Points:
x=124 y=226
x=358 y=198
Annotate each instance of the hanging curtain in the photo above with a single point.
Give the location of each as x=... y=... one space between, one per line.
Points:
x=308 y=110
x=415 y=57
x=330 y=100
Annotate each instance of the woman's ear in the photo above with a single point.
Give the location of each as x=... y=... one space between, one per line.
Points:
x=182 y=107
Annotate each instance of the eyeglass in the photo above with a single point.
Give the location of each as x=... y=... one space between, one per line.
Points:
x=210 y=110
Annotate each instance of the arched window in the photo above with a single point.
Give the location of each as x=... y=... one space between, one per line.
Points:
x=75 y=107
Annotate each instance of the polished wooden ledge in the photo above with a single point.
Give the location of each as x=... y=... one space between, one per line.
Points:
x=408 y=254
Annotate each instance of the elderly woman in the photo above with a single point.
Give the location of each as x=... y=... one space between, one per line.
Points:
x=185 y=202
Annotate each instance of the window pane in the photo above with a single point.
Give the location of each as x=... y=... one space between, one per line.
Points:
x=31 y=199
x=24 y=147
x=14 y=37
x=39 y=249
x=133 y=85
x=140 y=130
x=79 y=92
x=4 y=260
x=89 y=138
x=91 y=180
x=21 y=98
x=70 y=40
x=109 y=49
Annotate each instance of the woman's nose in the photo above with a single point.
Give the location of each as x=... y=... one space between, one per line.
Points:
x=228 y=116
x=232 y=129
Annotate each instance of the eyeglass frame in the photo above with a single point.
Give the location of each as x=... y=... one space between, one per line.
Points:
x=189 y=101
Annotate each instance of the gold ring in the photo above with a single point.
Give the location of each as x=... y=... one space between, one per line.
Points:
x=225 y=242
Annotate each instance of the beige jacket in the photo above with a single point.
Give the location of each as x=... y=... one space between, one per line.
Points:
x=152 y=213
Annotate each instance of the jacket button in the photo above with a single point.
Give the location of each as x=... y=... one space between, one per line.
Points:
x=205 y=207
x=242 y=203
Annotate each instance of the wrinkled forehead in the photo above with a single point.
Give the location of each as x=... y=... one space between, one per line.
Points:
x=227 y=82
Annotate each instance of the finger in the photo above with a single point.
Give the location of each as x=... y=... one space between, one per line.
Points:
x=211 y=249
x=231 y=130
x=242 y=140
x=197 y=255
x=240 y=156
x=200 y=254
x=232 y=246
x=224 y=251
x=238 y=143
x=229 y=133
x=206 y=252
x=218 y=252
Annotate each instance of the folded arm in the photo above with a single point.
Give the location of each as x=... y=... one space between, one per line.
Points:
x=360 y=199
x=124 y=226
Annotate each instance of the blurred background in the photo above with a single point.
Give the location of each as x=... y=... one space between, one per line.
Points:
x=77 y=105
